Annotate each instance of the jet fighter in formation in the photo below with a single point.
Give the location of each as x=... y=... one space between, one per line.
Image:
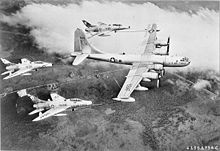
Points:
x=53 y=107
x=144 y=67
x=22 y=68
x=102 y=29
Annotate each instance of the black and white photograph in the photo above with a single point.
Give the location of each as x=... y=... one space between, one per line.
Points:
x=109 y=75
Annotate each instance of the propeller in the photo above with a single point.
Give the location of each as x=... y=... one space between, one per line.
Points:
x=168 y=45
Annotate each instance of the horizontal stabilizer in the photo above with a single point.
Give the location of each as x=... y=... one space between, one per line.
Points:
x=35 y=111
x=79 y=59
x=60 y=114
x=130 y=99
x=7 y=72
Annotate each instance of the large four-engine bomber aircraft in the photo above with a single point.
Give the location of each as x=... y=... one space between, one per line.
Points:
x=22 y=68
x=53 y=107
x=102 y=29
x=146 y=66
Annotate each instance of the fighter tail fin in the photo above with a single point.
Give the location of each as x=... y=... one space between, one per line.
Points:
x=23 y=92
x=87 y=24
x=6 y=62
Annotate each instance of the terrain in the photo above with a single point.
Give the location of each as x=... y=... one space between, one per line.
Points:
x=172 y=117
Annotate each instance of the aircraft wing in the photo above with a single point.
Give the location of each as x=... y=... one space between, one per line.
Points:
x=17 y=73
x=134 y=77
x=50 y=112
x=150 y=46
x=103 y=34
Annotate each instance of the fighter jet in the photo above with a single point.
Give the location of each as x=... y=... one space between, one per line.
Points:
x=53 y=107
x=22 y=68
x=145 y=67
x=102 y=29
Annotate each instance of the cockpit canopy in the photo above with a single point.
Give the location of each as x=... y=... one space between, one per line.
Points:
x=39 y=62
x=185 y=59
x=75 y=99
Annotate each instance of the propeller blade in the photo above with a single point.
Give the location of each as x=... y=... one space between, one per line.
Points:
x=158 y=82
x=168 y=40
x=168 y=45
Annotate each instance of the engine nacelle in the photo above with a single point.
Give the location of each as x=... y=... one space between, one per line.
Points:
x=141 y=88
x=150 y=75
x=158 y=67
x=159 y=45
x=146 y=80
x=160 y=52
x=130 y=99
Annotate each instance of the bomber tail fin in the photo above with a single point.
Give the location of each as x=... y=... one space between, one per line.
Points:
x=82 y=48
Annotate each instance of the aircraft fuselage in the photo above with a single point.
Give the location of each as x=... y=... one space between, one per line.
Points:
x=74 y=102
x=105 y=28
x=165 y=60
x=31 y=65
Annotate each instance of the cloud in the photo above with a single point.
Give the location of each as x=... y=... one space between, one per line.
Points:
x=193 y=35
x=201 y=84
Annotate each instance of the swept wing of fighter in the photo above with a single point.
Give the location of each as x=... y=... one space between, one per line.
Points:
x=53 y=107
x=102 y=29
x=22 y=68
x=145 y=67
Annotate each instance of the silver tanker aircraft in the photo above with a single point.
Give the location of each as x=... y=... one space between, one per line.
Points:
x=145 y=67
x=102 y=29
x=22 y=68
x=53 y=107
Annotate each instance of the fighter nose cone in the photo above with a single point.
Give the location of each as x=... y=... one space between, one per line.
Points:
x=49 y=64
x=89 y=102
